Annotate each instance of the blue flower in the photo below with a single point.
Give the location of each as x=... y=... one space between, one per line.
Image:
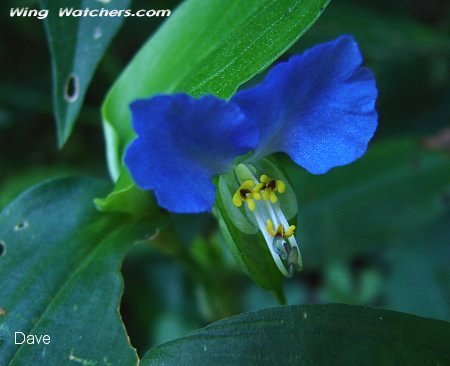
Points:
x=318 y=107
x=182 y=144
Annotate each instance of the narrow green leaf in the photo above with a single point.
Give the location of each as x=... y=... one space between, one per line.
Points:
x=204 y=47
x=76 y=44
x=59 y=264
x=312 y=335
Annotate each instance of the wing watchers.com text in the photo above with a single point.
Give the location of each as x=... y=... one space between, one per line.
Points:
x=87 y=12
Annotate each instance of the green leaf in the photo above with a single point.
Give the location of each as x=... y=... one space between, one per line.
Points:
x=18 y=182
x=396 y=188
x=76 y=44
x=135 y=201
x=311 y=335
x=59 y=264
x=205 y=47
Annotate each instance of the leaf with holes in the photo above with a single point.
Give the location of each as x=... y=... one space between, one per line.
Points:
x=59 y=266
x=76 y=44
x=311 y=335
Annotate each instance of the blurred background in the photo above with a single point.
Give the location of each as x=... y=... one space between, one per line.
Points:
x=376 y=232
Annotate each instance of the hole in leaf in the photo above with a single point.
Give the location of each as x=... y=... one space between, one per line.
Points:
x=21 y=225
x=2 y=312
x=71 y=88
x=98 y=33
x=2 y=248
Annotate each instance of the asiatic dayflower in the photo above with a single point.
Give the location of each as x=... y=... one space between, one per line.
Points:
x=318 y=108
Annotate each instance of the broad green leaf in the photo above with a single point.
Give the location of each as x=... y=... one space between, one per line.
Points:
x=12 y=186
x=76 y=45
x=205 y=47
x=59 y=265
x=396 y=188
x=311 y=335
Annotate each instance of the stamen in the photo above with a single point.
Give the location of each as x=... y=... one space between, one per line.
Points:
x=246 y=193
x=290 y=231
x=275 y=255
x=270 y=219
x=280 y=231
x=270 y=228
x=269 y=186
x=280 y=247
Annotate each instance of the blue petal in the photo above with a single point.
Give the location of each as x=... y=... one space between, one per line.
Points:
x=182 y=143
x=319 y=107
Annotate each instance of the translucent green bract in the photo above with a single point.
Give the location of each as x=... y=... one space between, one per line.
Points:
x=241 y=217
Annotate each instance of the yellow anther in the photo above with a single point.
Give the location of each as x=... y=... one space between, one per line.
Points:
x=269 y=186
x=281 y=187
x=251 y=204
x=279 y=232
x=290 y=231
x=246 y=193
x=270 y=228
x=259 y=187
